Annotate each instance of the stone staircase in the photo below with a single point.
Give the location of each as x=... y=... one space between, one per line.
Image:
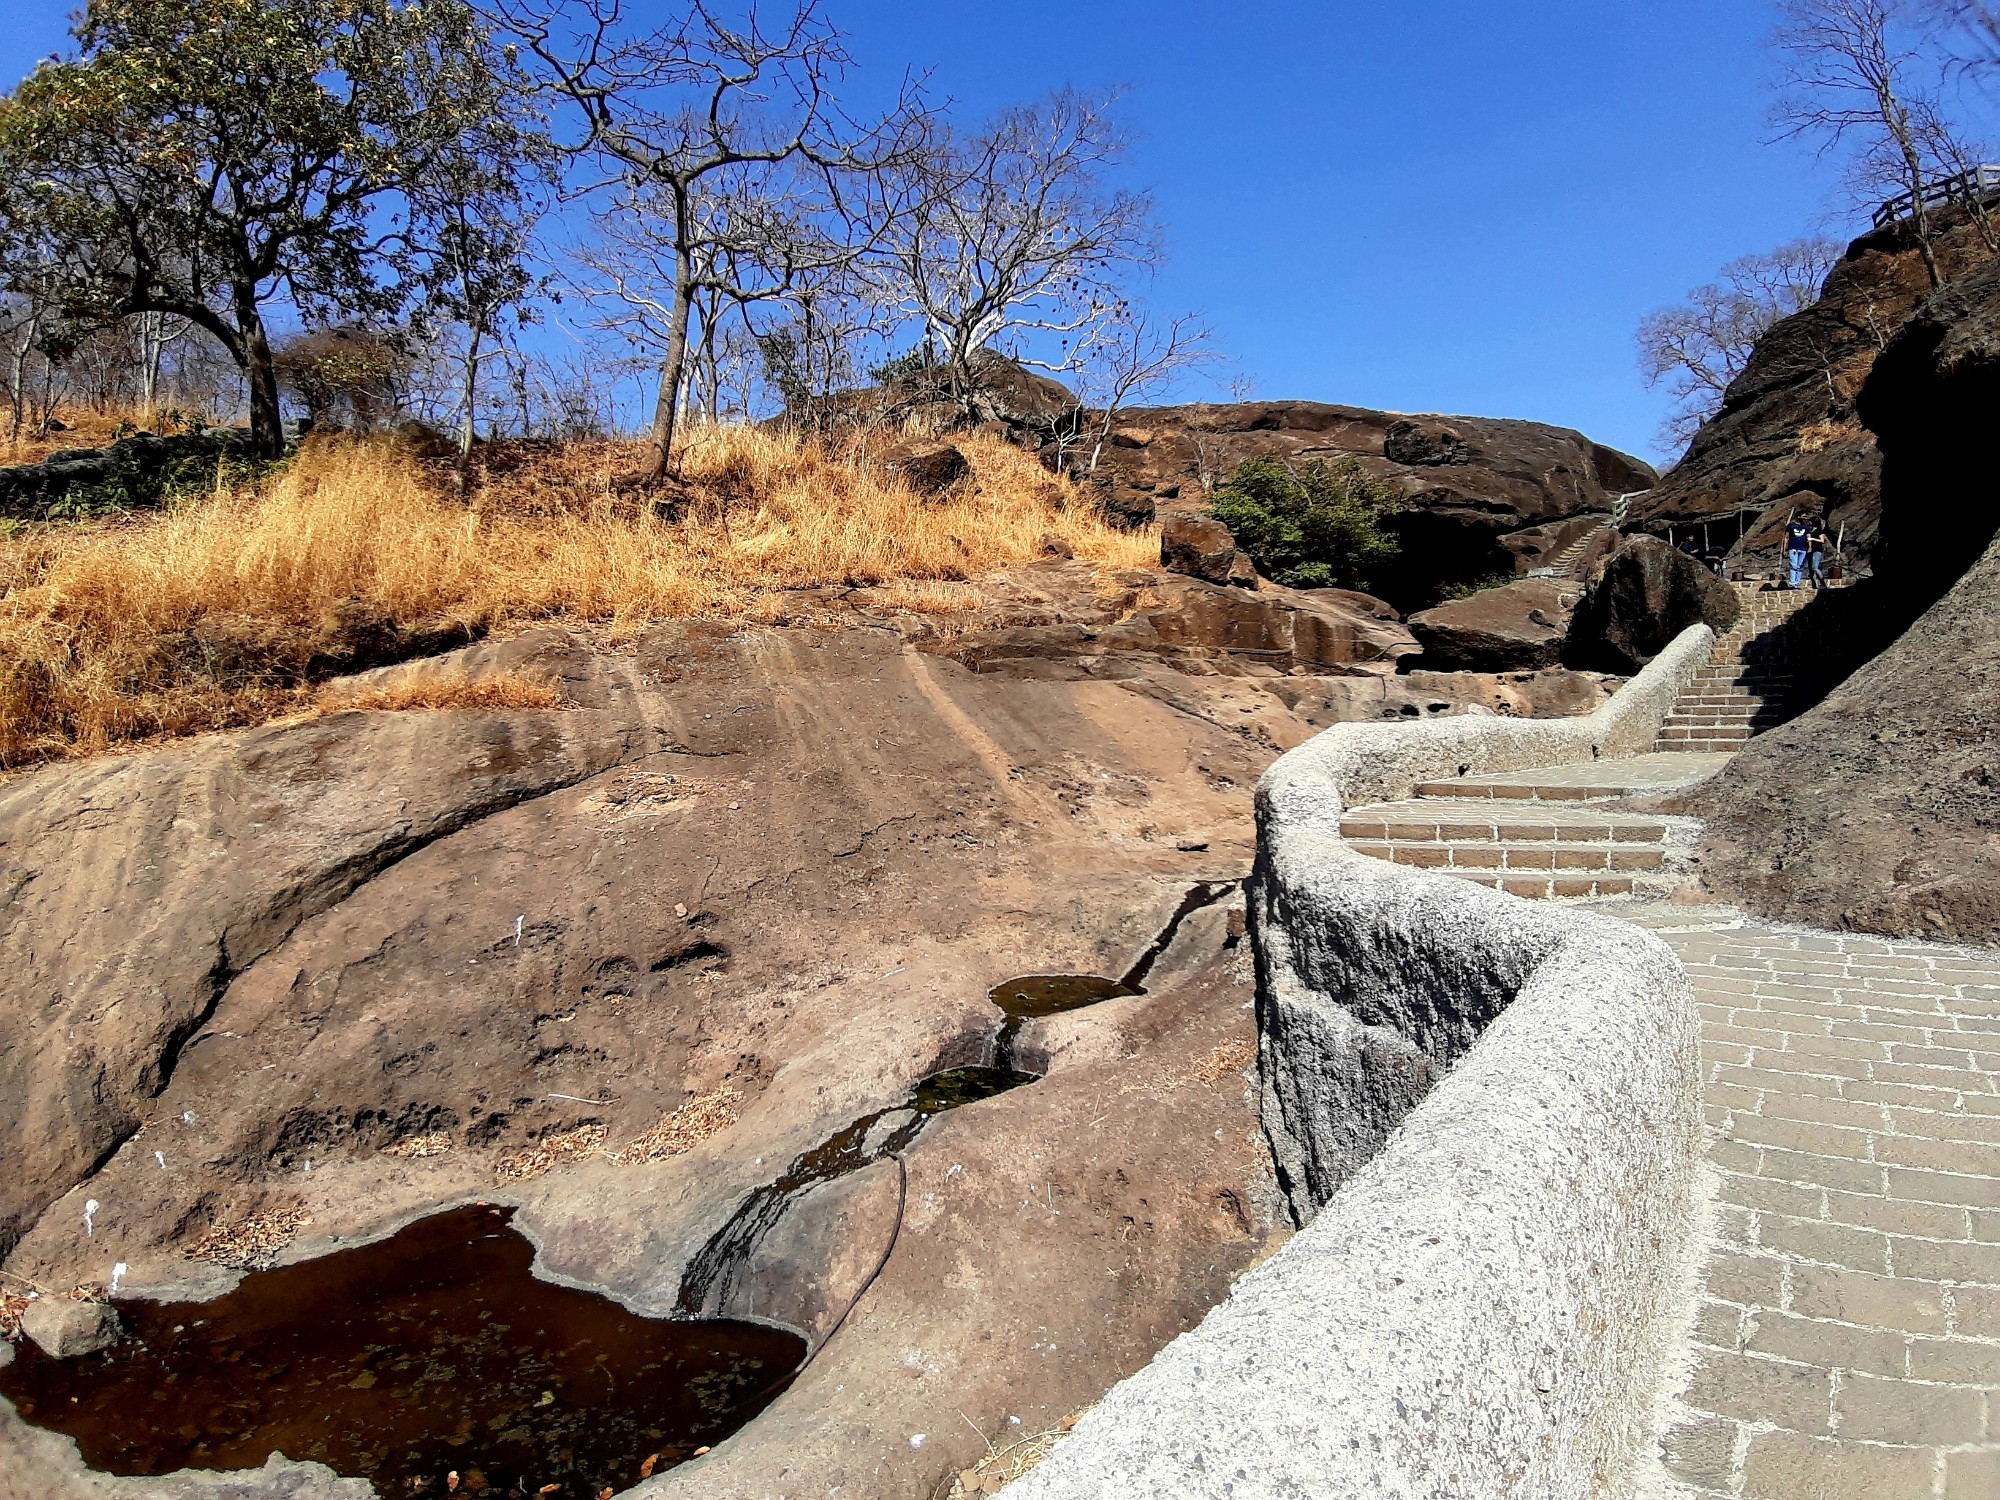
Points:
x=1557 y=833
x=1543 y=834
x=1564 y=563
x=1743 y=689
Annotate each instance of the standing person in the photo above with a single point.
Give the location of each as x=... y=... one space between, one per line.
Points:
x=1817 y=545
x=1798 y=546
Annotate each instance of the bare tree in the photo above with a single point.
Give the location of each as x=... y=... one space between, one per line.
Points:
x=1133 y=357
x=1699 y=346
x=1009 y=239
x=1855 y=78
x=21 y=322
x=1979 y=20
x=778 y=241
x=696 y=118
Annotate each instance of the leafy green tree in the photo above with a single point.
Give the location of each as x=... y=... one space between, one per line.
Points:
x=209 y=160
x=1312 y=525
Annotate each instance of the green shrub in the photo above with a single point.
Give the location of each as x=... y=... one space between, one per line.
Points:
x=1311 y=525
x=1453 y=591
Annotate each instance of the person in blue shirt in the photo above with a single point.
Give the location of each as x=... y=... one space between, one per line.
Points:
x=1798 y=547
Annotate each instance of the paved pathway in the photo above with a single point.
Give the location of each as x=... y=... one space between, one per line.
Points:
x=1848 y=1344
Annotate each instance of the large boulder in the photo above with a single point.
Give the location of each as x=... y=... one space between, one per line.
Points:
x=1645 y=594
x=1518 y=627
x=932 y=471
x=1466 y=483
x=1202 y=547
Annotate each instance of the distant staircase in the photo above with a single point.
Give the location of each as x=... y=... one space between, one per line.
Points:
x=1565 y=563
x=1747 y=683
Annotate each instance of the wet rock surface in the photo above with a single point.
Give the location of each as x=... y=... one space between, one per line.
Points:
x=426 y=1363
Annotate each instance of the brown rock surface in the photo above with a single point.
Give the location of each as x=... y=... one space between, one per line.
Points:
x=1879 y=809
x=1641 y=597
x=319 y=979
x=1517 y=627
x=1201 y=547
x=137 y=888
x=1468 y=482
x=931 y=471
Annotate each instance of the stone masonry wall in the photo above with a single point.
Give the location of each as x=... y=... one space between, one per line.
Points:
x=1488 y=1110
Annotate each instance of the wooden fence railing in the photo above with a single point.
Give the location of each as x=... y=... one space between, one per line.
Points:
x=1973 y=183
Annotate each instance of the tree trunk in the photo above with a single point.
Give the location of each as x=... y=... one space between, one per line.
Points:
x=1920 y=216
x=469 y=395
x=673 y=370
x=267 y=418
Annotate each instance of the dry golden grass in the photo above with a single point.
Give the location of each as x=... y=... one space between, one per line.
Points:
x=933 y=598
x=1818 y=436
x=82 y=428
x=508 y=690
x=108 y=634
x=551 y=1151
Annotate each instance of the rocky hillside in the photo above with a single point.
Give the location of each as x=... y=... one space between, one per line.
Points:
x=1484 y=495
x=617 y=962
x=1789 y=433
x=1880 y=808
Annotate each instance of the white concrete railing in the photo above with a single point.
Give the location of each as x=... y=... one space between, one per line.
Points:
x=1497 y=1103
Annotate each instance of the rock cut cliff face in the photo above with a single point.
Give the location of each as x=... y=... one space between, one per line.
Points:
x=1789 y=435
x=1879 y=809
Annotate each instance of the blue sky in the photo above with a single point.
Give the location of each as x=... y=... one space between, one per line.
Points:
x=1439 y=205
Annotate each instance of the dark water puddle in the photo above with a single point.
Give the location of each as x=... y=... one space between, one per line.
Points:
x=437 y=1351
x=712 y=1275
x=402 y=1361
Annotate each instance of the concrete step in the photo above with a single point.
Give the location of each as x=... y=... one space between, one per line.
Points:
x=1487 y=820
x=1588 y=781
x=1703 y=739
x=1547 y=859
x=1552 y=888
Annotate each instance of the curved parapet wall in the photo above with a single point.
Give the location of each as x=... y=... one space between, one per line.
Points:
x=1489 y=1110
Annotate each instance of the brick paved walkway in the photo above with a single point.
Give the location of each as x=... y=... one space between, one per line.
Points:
x=1848 y=1344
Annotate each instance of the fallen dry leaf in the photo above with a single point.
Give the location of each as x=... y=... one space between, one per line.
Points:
x=551 y=1151
x=417 y=1147
x=683 y=1130
x=253 y=1241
